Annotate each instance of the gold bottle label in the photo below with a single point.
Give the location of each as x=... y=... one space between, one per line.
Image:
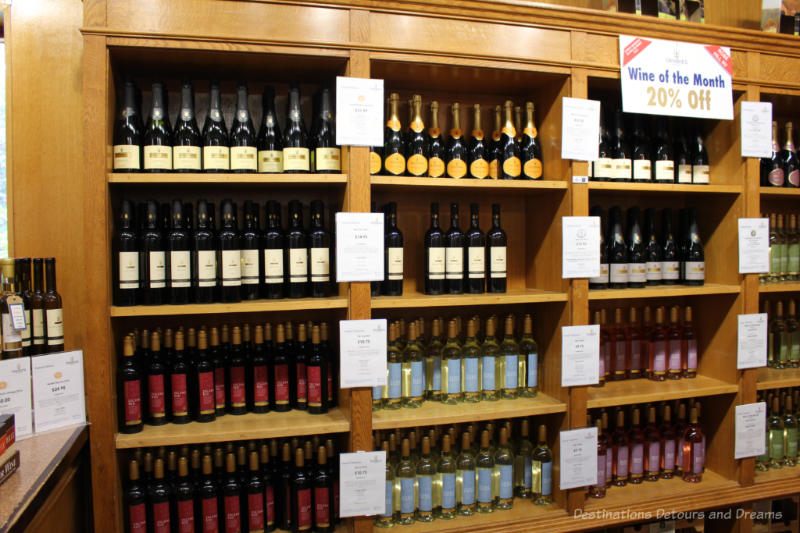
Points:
x=533 y=168
x=435 y=167
x=493 y=169
x=456 y=168
x=329 y=159
x=374 y=163
x=216 y=158
x=531 y=132
x=244 y=158
x=417 y=126
x=186 y=157
x=417 y=165
x=126 y=157
x=157 y=157
x=393 y=124
x=270 y=161
x=395 y=164
x=512 y=166
x=480 y=168
x=296 y=159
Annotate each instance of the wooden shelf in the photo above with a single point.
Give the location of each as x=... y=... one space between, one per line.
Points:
x=661 y=188
x=435 y=413
x=663 y=291
x=774 y=378
x=778 y=474
x=416 y=299
x=784 y=286
x=232 y=428
x=778 y=192
x=229 y=178
x=255 y=306
x=519 y=518
x=525 y=186
x=632 y=391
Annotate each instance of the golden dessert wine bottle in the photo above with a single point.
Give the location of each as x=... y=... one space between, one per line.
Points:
x=509 y=164
x=456 y=147
x=436 y=146
x=494 y=146
x=394 y=162
x=478 y=153
x=417 y=144
x=530 y=147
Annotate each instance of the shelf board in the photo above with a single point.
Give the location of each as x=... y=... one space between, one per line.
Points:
x=522 y=517
x=433 y=413
x=255 y=306
x=527 y=186
x=660 y=188
x=663 y=291
x=230 y=178
x=631 y=391
x=232 y=428
x=416 y=299
x=774 y=378
x=777 y=474
x=778 y=192
x=784 y=286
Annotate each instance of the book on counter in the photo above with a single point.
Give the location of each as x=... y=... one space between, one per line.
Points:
x=9 y=455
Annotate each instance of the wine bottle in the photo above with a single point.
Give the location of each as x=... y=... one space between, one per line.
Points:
x=620 y=450
x=216 y=153
x=530 y=148
x=790 y=433
x=395 y=373
x=657 y=366
x=598 y=490
x=298 y=373
x=470 y=361
x=694 y=262
x=424 y=472
x=416 y=143
x=504 y=471
x=179 y=371
x=244 y=151
x=394 y=162
x=405 y=481
x=600 y=281
x=22 y=267
x=436 y=145
x=793 y=332
x=53 y=312
x=327 y=156
x=236 y=388
x=129 y=381
x=518 y=126
x=636 y=447
x=484 y=461
x=700 y=166
x=250 y=242
x=789 y=161
x=435 y=242
x=205 y=404
x=457 y=152
x=618 y=369
x=445 y=481
x=454 y=254
x=413 y=372
x=204 y=262
x=674 y=354
x=157 y=138
x=158 y=500
x=231 y=496
x=688 y=345
x=772 y=174
x=637 y=259
x=542 y=466
x=621 y=150
x=126 y=258
x=509 y=164
x=603 y=167
x=280 y=398
x=254 y=491
x=476 y=252
x=230 y=255
x=494 y=146
x=296 y=157
x=433 y=361
x=478 y=151
x=180 y=260
x=668 y=444
x=663 y=154
x=652 y=249
x=157 y=386
x=186 y=139
x=466 y=478
x=617 y=252
x=694 y=450
x=128 y=131
x=136 y=508
x=670 y=257
x=273 y=243
x=496 y=246
x=317 y=375
x=529 y=355
x=183 y=491
x=219 y=360
x=319 y=242
x=489 y=354
x=507 y=363
x=323 y=484
x=297 y=258
x=633 y=346
x=269 y=140
x=792 y=250
x=652 y=444
x=452 y=393
x=393 y=248
x=640 y=154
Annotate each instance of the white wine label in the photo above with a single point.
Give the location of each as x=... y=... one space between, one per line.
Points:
x=216 y=158
x=231 y=268
x=695 y=270
x=296 y=159
x=187 y=158
x=622 y=169
x=270 y=161
x=394 y=263
x=157 y=157
x=27 y=335
x=701 y=174
x=250 y=266
x=670 y=270
x=206 y=268
x=603 y=277
x=244 y=158
x=454 y=258
x=126 y=157
x=180 y=272
x=637 y=272
x=158 y=270
x=665 y=171
x=328 y=159
x=497 y=261
x=436 y=258
x=129 y=270
x=653 y=271
x=298 y=265
x=38 y=326
x=476 y=258
x=641 y=170
x=604 y=168
x=10 y=335
x=618 y=273
x=684 y=173
x=320 y=264
x=273 y=266
x=55 y=327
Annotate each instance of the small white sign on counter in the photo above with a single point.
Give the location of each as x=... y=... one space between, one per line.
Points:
x=580 y=355
x=15 y=393
x=362 y=477
x=756 y=126
x=58 y=390
x=580 y=129
x=751 y=427
x=751 y=345
x=362 y=349
x=359 y=247
x=753 y=245
x=359 y=111
x=578 y=458
x=580 y=242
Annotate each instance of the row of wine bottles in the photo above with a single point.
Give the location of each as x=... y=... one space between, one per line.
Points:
x=200 y=375
x=32 y=316
x=463 y=470
x=238 y=487
x=782 y=168
x=782 y=425
x=638 y=259
x=648 y=449
x=157 y=147
x=784 y=249
x=453 y=367
x=177 y=265
x=667 y=159
x=783 y=344
x=513 y=152
x=632 y=349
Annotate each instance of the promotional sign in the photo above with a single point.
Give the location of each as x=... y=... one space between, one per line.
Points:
x=677 y=79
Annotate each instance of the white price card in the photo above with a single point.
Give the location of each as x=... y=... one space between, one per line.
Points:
x=359 y=247
x=362 y=476
x=362 y=353
x=580 y=242
x=753 y=245
x=578 y=458
x=751 y=433
x=756 y=129
x=15 y=393
x=580 y=355
x=751 y=345
x=58 y=391
x=580 y=129
x=359 y=112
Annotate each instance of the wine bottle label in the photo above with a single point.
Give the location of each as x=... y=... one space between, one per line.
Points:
x=609 y=465
x=619 y=273
x=785 y=259
x=674 y=350
x=776 y=177
x=637 y=460
x=314 y=383
x=467 y=487
x=322 y=507
x=250 y=267
x=330 y=382
x=395 y=164
x=157 y=157
x=137 y=518
x=669 y=455
x=425 y=494
x=237 y=386
x=374 y=163
x=476 y=255
x=653 y=271
x=791 y=442
x=417 y=165
x=216 y=158
x=304 y=510
x=603 y=168
x=158 y=269
x=454 y=376
x=484 y=485
x=620 y=356
x=269 y=504
x=328 y=159
x=296 y=159
x=487 y=373
x=493 y=171
x=219 y=388
x=161 y=523
x=186 y=157
x=281 y=384
x=601 y=471
x=320 y=265
x=665 y=171
x=255 y=513
x=12 y=338
x=437 y=374
x=388 y=499
x=603 y=357
x=260 y=386
x=180 y=400
x=479 y=169
x=298 y=265
x=512 y=370
x=659 y=358
x=506 y=481
x=244 y=158
x=642 y=170
x=231 y=268
x=497 y=261
x=394 y=264
x=603 y=277
x=691 y=354
x=27 y=335
x=684 y=173
x=155 y=387
x=654 y=457
x=533 y=370
x=129 y=270
x=209 y=508
x=38 y=326
x=622 y=169
x=456 y=168
x=180 y=269
x=205 y=392
x=776 y=258
x=126 y=157
x=133 y=402
x=527 y=477
x=532 y=169
x=417 y=379
x=233 y=521
x=636 y=357
x=670 y=270
x=395 y=380
x=794 y=352
x=206 y=268
x=637 y=272
x=512 y=167
x=273 y=266
x=270 y=161
x=448 y=491
x=698 y=458
x=55 y=327
x=186 y=516
x=700 y=174
x=622 y=462
x=455 y=263
x=695 y=270
x=407 y=503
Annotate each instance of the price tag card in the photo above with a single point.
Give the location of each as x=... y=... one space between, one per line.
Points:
x=580 y=355
x=362 y=353
x=580 y=242
x=15 y=393
x=756 y=129
x=751 y=346
x=751 y=432
x=58 y=391
x=362 y=476
x=17 y=311
x=578 y=458
x=359 y=112
x=753 y=245
x=580 y=129
x=359 y=247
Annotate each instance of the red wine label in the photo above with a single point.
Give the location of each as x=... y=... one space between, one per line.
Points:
x=281 y=384
x=255 y=513
x=180 y=406
x=322 y=507
x=260 y=386
x=156 y=387
x=186 y=516
x=314 y=386
x=233 y=522
x=330 y=381
x=161 y=522
x=137 y=518
x=219 y=387
x=237 y=386
x=269 y=507
x=302 y=393
x=210 y=515
x=304 y=510
x=133 y=402
x=205 y=382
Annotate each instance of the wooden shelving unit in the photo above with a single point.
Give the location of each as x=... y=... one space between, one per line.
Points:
x=254 y=306
x=177 y=178
x=658 y=188
x=784 y=286
x=515 y=186
x=774 y=378
x=416 y=299
x=778 y=192
x=664 y=291
x=646 y=391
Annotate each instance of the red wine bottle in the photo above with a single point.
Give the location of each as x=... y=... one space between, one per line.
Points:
x=235 y=374
x=317 y=372
x=281 y=369
x=219 y=360
x=204 y=400
x=284 y=500
x=157 y=385
x=299 y=376
x=231 y=493
x=135 y=500
x=183 y=494
x=158 y=496
x=258 y=385
x=207 y=496
x=301 y=497
x=269 y=488
x=322 y=481
x=179 y=383
x=130 y=387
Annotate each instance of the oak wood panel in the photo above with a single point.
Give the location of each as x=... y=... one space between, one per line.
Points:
x=596 y=51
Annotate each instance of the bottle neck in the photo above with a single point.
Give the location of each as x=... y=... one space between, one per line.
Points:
x=325 y=106
x=130 y=100
x=37 y=277
x=295 y=220
x=496 y=220
x=294 y=114
x=187 y=103
x=316 y=219
x=214 y=106
x=434 y=220
x=474 y=220
x=242 y=109
x=157 y=111
x=50 y=274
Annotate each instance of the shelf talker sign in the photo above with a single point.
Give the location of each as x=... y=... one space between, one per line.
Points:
x=678 y=79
